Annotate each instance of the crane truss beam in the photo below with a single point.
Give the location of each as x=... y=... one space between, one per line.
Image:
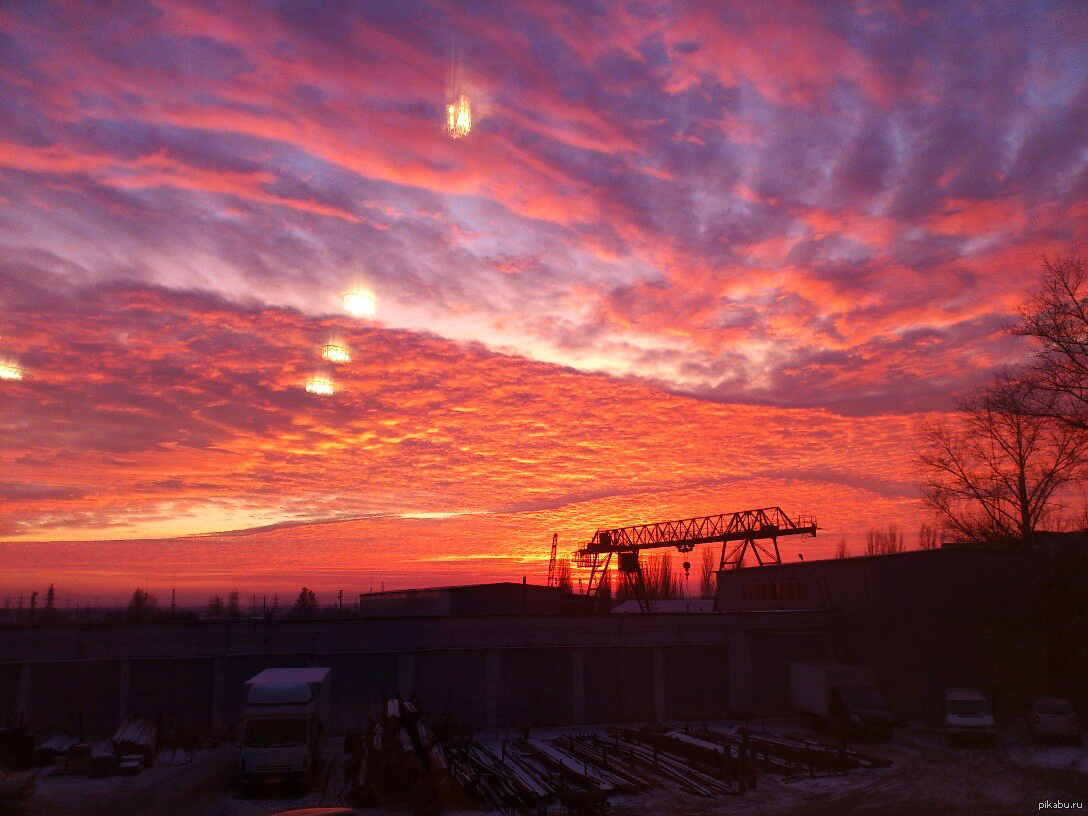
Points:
x=749 y=529
x=745 y=525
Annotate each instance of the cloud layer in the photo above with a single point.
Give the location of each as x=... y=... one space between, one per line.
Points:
x=154 y=412
x=686 y=245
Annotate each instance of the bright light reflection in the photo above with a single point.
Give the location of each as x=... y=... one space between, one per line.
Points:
x=459 y=117
x=335 y=353
x=10 y=371
x=320 y=385
x=360 y=304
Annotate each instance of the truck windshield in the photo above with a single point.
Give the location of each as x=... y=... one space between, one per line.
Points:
x=275 y=733
x=968 y=708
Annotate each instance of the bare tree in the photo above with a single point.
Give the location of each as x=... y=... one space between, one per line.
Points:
x=562 y=575
x=1056 y=315
x=707 y=571
x=995 y=475
x=842 y=551
x=927 y=537
x=883 y=542
x=662 y=583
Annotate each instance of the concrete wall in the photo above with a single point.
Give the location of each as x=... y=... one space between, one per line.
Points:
x=484 y=671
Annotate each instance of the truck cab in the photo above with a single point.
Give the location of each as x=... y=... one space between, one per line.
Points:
x=284 y=728
x=843 y=698
x=860 y=712
x=968 y=718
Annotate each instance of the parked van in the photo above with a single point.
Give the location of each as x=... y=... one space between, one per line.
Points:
x=287 y=711
x=968 y=718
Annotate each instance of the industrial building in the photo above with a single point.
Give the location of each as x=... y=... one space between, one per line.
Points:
x=924 y=620
x=504 y=598
x=516 y=655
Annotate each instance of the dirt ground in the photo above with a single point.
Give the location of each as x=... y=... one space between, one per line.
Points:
x=926 y=777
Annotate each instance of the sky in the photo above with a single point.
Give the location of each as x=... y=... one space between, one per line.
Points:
x=692 y=258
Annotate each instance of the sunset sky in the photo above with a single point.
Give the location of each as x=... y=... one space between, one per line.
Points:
x=692 y=258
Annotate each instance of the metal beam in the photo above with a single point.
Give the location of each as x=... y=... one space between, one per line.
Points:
x=745 y=526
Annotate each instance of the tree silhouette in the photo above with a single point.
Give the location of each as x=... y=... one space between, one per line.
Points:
x=706 y=574
x=215 y=606
x=141 y=606
x=1057 y=317
x=306 y=605
x=50 y=611
x=879 y=542
x=562 y=576
x=928 y=539
x=995 y=474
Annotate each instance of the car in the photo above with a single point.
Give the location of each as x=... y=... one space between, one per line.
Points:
x=968 y=718
x=1053 y=718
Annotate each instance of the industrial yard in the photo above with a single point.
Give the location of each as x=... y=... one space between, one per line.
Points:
x=1012 y=779
x=819 y=685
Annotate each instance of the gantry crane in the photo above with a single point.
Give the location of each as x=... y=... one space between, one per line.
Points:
x=738 y=533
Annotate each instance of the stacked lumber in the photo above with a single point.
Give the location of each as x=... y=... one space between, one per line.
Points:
x=136 y=737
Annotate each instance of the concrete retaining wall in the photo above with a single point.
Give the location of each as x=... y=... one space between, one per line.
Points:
x=486 y=671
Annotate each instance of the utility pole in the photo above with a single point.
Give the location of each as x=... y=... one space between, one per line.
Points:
x=341 y=601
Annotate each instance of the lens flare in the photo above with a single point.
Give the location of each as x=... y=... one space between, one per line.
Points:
x=335 y=353
x=359 y=303
x=320 y=385
x=459 y=117
x=10 y=371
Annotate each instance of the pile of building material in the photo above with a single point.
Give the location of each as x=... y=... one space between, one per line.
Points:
x=398 y=761
x=509 y=782
x=391 y=763
x=657 y=753
x=53 y=748
x=781 y=754
x=102 y=760
x=135 y=741
x=586 y=770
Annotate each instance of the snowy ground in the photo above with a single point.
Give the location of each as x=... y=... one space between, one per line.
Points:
x=927 y=777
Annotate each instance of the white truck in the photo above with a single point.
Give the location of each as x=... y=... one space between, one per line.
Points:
x=844 y=697
x=286 y=716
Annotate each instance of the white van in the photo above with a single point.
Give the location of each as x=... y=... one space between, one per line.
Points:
x=283 y=734
x=968 y=718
